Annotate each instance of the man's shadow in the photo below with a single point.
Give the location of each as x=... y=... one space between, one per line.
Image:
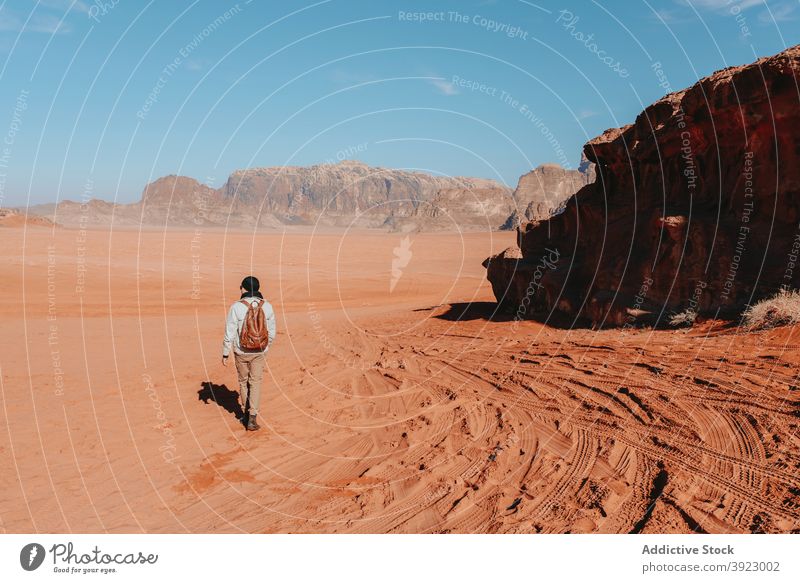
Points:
x=222 y=396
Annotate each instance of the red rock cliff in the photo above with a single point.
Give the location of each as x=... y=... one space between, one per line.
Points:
x=695 y=205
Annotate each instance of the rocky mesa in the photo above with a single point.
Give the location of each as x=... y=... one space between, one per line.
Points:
x=350 y=192
x=695 y=206
x=345 y=194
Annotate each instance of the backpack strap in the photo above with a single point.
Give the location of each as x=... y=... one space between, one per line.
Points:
x=258 y=303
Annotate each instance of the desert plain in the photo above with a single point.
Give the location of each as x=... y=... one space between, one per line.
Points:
x=395 y=399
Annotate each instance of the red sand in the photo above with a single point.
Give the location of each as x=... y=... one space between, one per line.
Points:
x=381 y=412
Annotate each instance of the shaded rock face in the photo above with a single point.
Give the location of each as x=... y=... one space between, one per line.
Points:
x=545 y=190
x=343 y=194
x=695 y=205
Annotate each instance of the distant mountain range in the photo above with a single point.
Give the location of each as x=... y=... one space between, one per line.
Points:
x=346 y=194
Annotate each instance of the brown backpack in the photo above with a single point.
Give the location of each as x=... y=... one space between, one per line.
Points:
x=254 y=334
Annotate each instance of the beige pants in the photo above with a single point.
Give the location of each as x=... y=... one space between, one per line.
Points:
x=250 y=369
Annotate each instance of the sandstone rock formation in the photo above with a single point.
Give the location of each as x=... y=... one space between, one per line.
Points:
x=180 y=200
x=351 y=192
x=460 y=208
x=544 y=191
x=695 y=205
x=345 y=194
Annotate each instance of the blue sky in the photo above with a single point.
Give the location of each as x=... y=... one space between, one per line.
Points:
x=99 y=98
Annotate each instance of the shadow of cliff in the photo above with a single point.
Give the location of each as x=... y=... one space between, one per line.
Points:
x=467 y=311
x=493 y=312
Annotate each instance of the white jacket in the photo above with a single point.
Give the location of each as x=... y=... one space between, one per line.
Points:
x=233 y=325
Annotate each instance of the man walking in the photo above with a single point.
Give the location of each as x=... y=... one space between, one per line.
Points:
x=249 y=331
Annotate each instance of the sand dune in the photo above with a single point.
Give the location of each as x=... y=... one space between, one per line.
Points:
x=388 y=407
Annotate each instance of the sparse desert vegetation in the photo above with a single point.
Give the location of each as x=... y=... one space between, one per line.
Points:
x=779 y=310
x=684 y=318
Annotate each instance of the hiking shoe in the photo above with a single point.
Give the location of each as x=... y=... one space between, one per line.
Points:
x=251 y=423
